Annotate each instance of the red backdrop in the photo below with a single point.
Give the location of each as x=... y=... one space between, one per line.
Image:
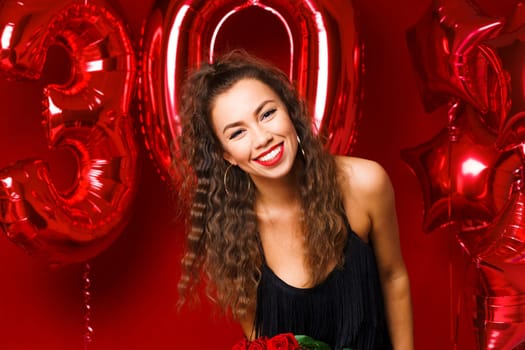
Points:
x=134 y=281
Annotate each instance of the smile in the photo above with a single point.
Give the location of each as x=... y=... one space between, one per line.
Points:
x=272 y=156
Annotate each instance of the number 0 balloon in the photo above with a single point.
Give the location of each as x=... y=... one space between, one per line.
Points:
x=325 y=61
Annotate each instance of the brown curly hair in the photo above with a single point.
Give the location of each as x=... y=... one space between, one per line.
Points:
x=222 y=239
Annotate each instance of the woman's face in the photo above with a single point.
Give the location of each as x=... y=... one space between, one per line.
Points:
x=255 y=129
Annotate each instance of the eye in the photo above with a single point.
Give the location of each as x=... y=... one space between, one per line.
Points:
x=236 y=134
x=268 y=113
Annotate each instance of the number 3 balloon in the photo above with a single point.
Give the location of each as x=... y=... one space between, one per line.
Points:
x=88 y=114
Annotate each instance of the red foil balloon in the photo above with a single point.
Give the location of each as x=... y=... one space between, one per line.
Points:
x=500 y=301
x=460 y=53
x=464 y=178
x=445 y=46
x=499 y=322
x=510 y=49
x=88 y=115
x=324 y=56
x=505 y=239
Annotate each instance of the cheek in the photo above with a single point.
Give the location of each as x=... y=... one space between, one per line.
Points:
x=239 y=149
x=290 y=128
x=282 y=125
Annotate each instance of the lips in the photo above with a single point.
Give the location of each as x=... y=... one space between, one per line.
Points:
x=272 y=156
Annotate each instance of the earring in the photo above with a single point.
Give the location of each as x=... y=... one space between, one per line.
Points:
x=224 y=180
x=300 y=146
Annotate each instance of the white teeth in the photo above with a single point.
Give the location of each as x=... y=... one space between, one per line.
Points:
x=271 y=155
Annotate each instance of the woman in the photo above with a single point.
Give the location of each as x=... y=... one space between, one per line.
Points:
x=289 y=237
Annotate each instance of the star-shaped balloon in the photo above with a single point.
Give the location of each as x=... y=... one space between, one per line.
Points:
x=510 y=50
x=465 y=179
x=444 y=48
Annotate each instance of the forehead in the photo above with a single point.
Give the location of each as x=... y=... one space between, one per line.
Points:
x=242 y=97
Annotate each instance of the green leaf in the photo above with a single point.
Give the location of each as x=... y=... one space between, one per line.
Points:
x=308 y=343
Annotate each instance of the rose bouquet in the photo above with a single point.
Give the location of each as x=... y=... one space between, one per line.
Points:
x=285 y=341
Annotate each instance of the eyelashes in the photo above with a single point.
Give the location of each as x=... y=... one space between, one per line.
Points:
x=268 y=113
x=235 y=134
x=264 y=116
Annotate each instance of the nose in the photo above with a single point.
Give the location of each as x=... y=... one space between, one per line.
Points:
x=262 y=137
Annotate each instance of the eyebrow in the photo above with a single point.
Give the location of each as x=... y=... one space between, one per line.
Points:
x=255 y=112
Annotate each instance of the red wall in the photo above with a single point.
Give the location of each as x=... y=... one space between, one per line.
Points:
x=134 y=281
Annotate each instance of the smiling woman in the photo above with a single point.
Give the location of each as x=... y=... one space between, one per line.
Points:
x=257 y=135
x=290 y=242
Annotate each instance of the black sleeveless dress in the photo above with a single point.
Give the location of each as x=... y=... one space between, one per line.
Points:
x=345 y=310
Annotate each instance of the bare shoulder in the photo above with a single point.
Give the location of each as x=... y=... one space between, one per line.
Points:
x=367 y=193
x=362 y=176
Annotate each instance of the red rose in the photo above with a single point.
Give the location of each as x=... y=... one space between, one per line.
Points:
x=241 y=344
x=285 y=341
x=258 y=344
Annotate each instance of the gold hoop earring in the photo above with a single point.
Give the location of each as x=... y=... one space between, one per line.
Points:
x=300 y=146
x=225 y=181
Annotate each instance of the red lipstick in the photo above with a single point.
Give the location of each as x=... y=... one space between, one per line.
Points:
x=272 y=156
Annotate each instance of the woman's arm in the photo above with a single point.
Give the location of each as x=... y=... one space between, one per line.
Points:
x=371 y=190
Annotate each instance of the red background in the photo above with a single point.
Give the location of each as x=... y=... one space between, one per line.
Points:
x=134 y=281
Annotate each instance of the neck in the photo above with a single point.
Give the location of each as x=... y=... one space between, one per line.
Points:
x=278 y=194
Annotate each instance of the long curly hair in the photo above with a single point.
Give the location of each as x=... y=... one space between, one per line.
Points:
x=222 y=243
